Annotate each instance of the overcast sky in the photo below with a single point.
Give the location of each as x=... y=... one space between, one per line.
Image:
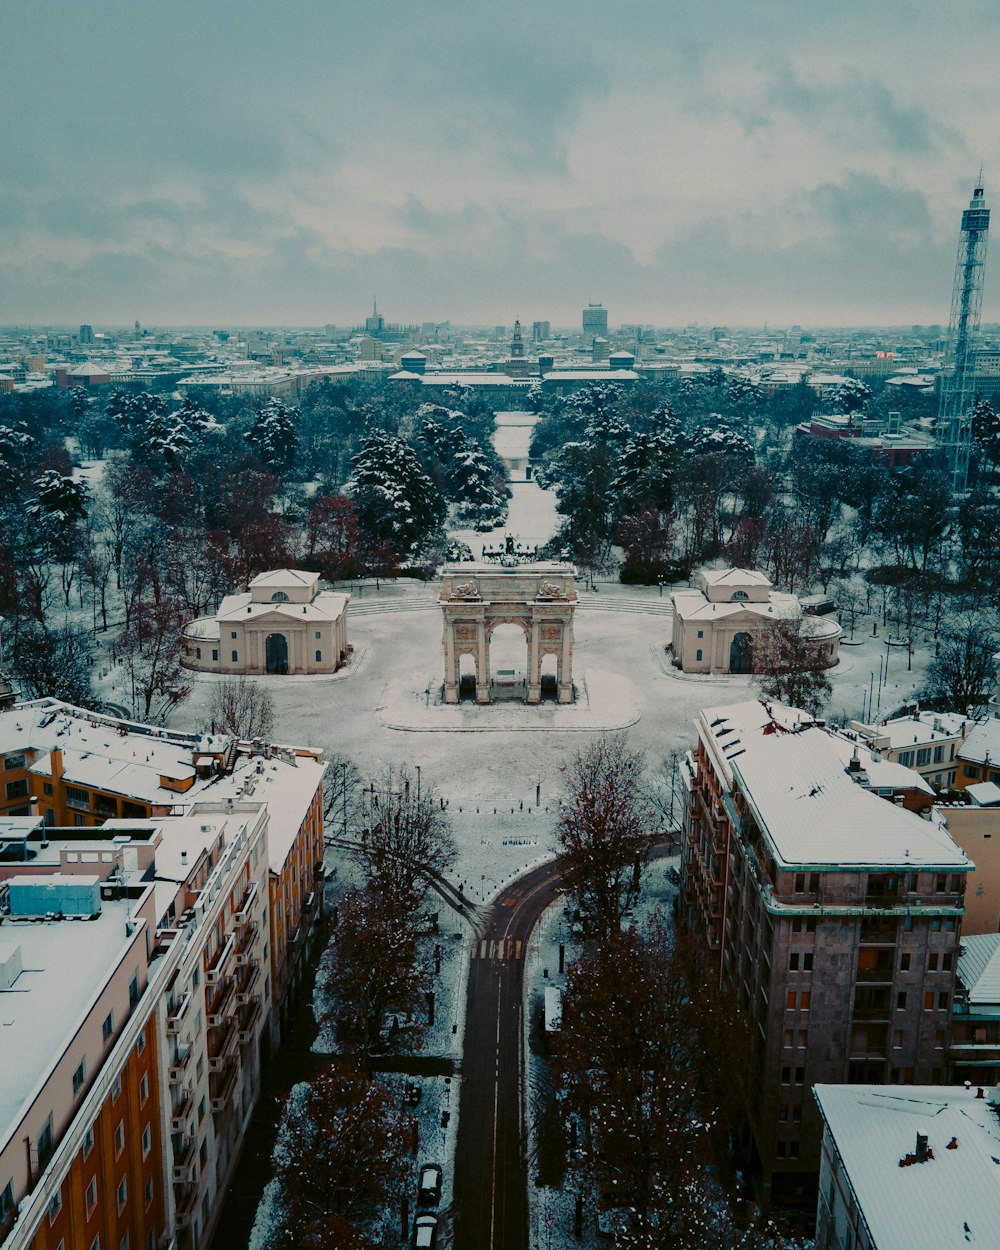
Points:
x=201 y=161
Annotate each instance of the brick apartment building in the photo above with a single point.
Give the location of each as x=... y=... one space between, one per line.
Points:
x=833 y=914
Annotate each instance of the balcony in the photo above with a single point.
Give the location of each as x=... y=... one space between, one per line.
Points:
x=178 y=1067
x=221 y=1045
x=217 y=967
x=221 y=1005
x=181 y=1112
x=247 y=987
x=248 y=1021
x=874 y=976
x=245 y=913
x=245 y=947
x=185 y=1204
x=185 y=1160
x=176 y=1014
x=221 y=1085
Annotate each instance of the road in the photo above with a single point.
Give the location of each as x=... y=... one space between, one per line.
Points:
x=491 y=1175
x=491 y=1178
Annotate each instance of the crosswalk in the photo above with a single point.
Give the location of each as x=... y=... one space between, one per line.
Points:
x=499 y=952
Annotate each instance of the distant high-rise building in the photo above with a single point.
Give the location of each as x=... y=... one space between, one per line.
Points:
x=540 y=331
x=957 y=390
x=595 y=321
x=375 y=323
x=86 y=334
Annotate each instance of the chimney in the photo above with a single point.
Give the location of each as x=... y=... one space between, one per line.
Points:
x=56 y=764
x=184 y=857
x=921 y=1147
x=855 y=762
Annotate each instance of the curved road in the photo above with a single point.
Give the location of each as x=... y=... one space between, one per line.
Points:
x=491 y=1175
x=491 y=1178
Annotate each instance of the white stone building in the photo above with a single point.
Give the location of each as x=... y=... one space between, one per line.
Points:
x=717 y=621
x=282 y=624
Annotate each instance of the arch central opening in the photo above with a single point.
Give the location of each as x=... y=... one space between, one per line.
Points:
x=508 y=663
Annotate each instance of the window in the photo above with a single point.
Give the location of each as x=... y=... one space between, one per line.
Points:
x=11 y=762
x=75 y=797
x=122 y=1194
x=96 y=1243
x=319 y=657
x=807 y=962
x=133 y=991
x=800 y=882
x=233 y=635
x=947 y=961
x=79 y=1076
x=123 y=1244
x=923 y=756
x=147 y=1141
x=17 y=789
x=48 y=788
x=943 y=1000
x=319 y=634
x=938 y=755
x=739 y=596
x=91 y=1196
x=55 y=1206
x=906 y=758
x=929 y=1000
x=793 y=962
x=790 y=1000
x=814 y=883
x=119 y=1138
x=279 y=596
x=108 y=1027
x=235 y=655
x=215 y=653
x=147 y=1192
x=6 y=1201
x=201 y=1110
x=698 y=655
x=143 y=1088
x=116 y=1088
x=88 y=1142
x=140 y=1043
x=804 y=999
x=904 y=963
x=197 y=652
x=45 y=1143
x=901 y=1001
x=897 y=1040
x=971 y=772
x=932 y=963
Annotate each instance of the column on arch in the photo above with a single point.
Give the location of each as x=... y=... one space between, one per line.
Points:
x=450 y=662
x=565 y=676
x=482 y=663
x=534 y=663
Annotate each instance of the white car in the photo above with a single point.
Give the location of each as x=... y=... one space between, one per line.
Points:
x=425 y=1230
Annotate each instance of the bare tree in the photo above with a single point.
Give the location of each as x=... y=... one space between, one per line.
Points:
x=343 y=799
x=375 y=967
x=790 y=665
x=342 y=1155
x=242 y=707
x=604 y=831
x=964 y=675
x=148 y=651
x=650 y=1065
x=407 y=832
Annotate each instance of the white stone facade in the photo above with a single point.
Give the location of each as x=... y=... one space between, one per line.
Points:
x=283 y=624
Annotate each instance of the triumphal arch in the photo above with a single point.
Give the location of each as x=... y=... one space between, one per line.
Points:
x=539 y=597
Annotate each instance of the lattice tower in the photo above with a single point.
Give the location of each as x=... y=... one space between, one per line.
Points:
x=957 y=382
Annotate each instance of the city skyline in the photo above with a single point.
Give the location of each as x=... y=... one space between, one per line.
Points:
x=733 y=168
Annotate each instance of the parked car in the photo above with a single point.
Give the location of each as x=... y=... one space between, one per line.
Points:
x=429 y=1189
x=425 y=1230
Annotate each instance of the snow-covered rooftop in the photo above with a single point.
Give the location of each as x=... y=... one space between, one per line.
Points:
x=66 y=964
x=946 y=1203
x=327 y=606
x=983 y=743
x=806 y=802
x=287 y=788
x=979 y=968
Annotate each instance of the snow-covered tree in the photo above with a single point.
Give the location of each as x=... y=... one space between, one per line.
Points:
x=58 y=500
x=274 y=435
x=395 y=500
x=716 y=437
x=644 y=473
x=16 y=445
x=851 y=396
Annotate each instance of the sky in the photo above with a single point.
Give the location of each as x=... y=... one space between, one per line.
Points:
x=236 y=162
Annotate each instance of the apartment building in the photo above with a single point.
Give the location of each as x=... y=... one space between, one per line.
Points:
x=147 y=943
x=911 y=1169
x=927 y=742
x=978 y=757
x=974 y=1048
x=78 y=768
x=833 y=914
